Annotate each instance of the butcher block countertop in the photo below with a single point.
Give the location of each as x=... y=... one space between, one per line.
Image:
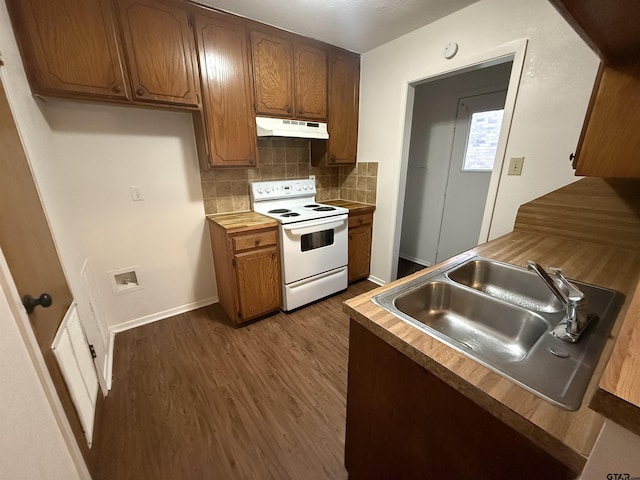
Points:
x=242 y=221
x=590 y=229
x=353 y=207
x=619 y=394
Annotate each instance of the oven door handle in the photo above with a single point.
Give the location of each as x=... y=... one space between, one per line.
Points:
x=308 y=227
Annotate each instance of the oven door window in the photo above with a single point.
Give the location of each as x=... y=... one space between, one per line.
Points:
x=311 y=241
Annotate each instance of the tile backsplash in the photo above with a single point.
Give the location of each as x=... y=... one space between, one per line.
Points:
x=227 y=189
x=358 y=182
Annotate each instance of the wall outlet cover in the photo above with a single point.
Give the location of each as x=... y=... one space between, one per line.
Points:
x=515 y=165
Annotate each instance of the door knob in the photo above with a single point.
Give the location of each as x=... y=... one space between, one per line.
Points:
x=30 y=303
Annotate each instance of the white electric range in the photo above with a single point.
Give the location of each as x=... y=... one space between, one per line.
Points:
x=313 y=239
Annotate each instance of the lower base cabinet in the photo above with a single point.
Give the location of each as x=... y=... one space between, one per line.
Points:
x=403 y=422
x=360 y=232
x=247 y=268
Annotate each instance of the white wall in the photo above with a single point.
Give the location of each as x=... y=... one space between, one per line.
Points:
x=31 y=444
x=103 y=150
x=432 y=130
x=559 y=70
x=84 y=157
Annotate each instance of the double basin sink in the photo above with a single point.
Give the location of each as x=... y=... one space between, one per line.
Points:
x=503 y=316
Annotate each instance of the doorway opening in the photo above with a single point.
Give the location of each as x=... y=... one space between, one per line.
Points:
x=454 y=153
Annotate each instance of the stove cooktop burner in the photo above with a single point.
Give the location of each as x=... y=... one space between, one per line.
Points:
x=324 y=209
x=290 y=214
x=279 y=210
x=313 y=205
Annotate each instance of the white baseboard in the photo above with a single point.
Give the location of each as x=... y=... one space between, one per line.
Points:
x=419 y=261
x=109 y=363
x=376 y=280
x=154 y=317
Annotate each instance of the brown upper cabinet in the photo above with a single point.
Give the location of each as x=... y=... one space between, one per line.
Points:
x=70 y=47
x=344 y=88
x=310 y=73
x=73 y=48
x=290 y=77
x=160 y=52
x=226 y=129
x=179 y=55
x=273 y=67
x=608 y=146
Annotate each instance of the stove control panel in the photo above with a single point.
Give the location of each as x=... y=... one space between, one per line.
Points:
x=275 y=189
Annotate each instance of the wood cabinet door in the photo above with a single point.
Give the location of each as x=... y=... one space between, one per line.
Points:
x=359 y=252
x=259 y=285
x=310 y=82
x=227 y=91
x=273 y=67
x=344 y=90
x=69 y=47
x=608 y=147
x=160 y=51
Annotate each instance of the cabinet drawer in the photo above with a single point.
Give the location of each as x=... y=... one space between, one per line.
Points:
x=362 y=219
x=255 y=240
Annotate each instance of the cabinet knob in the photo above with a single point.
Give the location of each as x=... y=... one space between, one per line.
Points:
x=252 y=161
x=116 y=89
x=300 y=111
x=257 y=242
x=333 y=159
x=288 y=109
x=139 y=91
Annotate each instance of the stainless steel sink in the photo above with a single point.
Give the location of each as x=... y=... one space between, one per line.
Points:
x=502 y=333
x=502 y=316
x=507 y=282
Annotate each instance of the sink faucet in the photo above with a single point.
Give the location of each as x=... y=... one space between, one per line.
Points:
x=576 y=318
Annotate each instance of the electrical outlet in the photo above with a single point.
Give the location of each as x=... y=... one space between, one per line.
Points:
x=515 y=165
x=136 y=193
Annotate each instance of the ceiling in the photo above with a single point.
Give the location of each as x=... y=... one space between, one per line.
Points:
x=356 y=25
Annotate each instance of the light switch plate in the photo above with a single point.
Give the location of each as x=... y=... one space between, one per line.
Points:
x=515 y=165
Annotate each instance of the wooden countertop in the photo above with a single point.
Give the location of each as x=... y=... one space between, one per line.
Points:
x=618 y=397
x=242 y=221
x=353 y=207
x=569 y=436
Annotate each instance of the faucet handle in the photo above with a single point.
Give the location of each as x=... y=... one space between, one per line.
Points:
x=574 y=294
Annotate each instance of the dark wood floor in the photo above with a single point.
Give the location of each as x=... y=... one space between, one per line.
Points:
x=194 y=398
x=407 y=267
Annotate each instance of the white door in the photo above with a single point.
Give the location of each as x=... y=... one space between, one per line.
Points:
x=475 y=142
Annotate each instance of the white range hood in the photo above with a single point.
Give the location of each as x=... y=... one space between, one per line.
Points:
x=278 y=127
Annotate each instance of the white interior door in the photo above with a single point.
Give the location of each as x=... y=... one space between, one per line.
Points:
x=475 y=142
